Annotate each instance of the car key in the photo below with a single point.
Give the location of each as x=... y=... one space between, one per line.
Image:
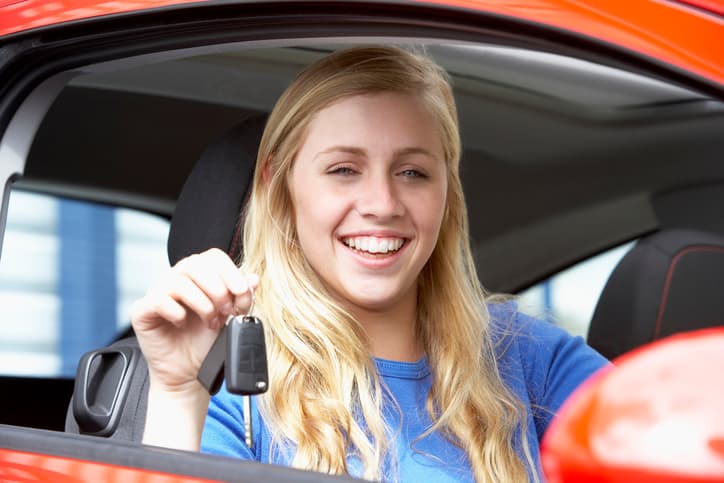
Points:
x=242 y=364
x=238 y=355
x=246 y=364
x=211 y=372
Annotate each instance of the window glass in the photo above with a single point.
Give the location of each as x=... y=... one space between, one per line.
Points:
x=569 y=298
x=69 y=273
x=141 y=251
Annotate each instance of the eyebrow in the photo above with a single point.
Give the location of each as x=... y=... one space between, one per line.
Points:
x=362 y=152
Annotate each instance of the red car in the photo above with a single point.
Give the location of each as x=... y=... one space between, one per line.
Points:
x=588 y=126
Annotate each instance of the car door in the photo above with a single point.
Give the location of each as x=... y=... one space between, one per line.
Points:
x=111 y=106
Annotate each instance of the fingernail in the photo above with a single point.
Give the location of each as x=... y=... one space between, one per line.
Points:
x=252 y=278
x=214 y=324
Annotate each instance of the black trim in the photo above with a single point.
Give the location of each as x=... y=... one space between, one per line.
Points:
x=38 y=54
x=38 y=402
x=91 y=448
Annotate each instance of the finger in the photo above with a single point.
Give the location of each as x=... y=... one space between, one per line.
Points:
x=184 y=291
x=151 y=308
x=252 y=279
x=172 y=311
x=236 y=282
x=243 y=302
x=205 y=272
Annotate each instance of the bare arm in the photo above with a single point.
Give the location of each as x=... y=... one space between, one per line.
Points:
x=176 y=420
x=176 y=323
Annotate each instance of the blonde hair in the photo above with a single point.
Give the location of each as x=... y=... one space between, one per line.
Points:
x=325 y=397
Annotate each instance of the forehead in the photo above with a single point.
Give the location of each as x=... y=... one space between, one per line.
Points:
x=377 y=122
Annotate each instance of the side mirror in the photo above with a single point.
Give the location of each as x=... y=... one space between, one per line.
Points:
x=656 y=416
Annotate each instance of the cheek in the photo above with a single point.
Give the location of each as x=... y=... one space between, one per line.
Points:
x=428 y=213
x=317 y=216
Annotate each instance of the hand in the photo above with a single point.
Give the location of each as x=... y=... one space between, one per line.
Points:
x=178 y=319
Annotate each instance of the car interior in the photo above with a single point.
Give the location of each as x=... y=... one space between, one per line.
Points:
x=565 y=156
x=562 y=157
x=667 y=284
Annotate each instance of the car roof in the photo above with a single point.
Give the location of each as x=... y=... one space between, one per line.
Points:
x=660 y=30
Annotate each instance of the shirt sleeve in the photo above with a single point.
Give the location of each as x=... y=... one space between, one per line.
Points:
x=224 y=427
x=554 y=365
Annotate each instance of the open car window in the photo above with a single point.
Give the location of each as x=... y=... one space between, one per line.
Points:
x=539 y=128
x=69 y=273
x=568 y=299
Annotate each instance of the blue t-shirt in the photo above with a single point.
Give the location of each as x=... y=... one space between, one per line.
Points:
x=540 y=363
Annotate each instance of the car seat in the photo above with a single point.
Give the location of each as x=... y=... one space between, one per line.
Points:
x=671 y=281
x=111 y=386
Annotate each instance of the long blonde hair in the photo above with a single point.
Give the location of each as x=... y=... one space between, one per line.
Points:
x=325 y=397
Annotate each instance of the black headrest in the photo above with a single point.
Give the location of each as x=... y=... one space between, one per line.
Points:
x=670 y=282
x=208 y=208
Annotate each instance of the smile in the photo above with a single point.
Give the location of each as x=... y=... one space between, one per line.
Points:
x=373 y=244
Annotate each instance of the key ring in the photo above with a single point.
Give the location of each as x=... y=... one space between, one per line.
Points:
x=251 y=305
x=248 y=312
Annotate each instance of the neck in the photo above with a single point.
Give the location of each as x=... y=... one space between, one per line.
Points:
x=392 y=332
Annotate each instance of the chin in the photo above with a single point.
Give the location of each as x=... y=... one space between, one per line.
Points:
x=374 y=305
x=376 y=301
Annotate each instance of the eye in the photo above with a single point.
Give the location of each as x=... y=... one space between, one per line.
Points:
x=412 y=173
x=342 y=170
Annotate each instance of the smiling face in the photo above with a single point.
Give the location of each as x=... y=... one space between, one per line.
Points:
x=368 y=186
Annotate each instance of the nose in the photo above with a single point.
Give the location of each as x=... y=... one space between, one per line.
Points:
x=380 y=198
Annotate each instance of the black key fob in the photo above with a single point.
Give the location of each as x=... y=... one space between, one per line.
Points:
x=211 y=372
x=246 y=364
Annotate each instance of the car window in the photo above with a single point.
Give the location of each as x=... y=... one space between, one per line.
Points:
x=568 y=299
x=69 y=273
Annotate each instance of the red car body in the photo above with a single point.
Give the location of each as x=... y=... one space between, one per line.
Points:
x=655 y=418
x=684 y=36
x=19 y=466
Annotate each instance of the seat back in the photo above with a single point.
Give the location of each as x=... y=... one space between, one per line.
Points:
x=671 y=281
x=111 y=386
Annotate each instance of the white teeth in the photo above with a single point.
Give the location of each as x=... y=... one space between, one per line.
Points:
x=373 y=244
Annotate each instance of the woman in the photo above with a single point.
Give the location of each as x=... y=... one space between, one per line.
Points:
x=386 y=359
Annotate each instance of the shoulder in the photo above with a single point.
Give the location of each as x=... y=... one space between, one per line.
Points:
x=507 y=322
x=533 y=339
x=540 y=361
